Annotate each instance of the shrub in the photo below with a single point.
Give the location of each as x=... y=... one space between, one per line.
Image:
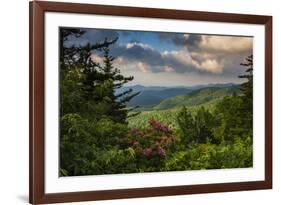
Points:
x=90 y=147
x=197 y=128
x=151 y=144
x=212 y=156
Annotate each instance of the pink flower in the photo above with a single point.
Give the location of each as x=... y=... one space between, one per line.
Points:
x=135 y=143
x=161 y=152
x=147 y=152
x=159 y=126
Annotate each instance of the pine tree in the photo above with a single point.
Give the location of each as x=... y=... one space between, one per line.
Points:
x=79 y=74
x=247 y=87
x=96 y=83
x=64 y=34
x=92 y=117
x=115 y=80
x=247 y=91
x=186 y=124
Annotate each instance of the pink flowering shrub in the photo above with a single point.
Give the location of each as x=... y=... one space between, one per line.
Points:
x=151 y=142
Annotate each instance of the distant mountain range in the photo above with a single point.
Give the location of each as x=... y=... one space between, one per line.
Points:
x=213 y=85
x=161 y=97
x=137 y=88
x=150 y=98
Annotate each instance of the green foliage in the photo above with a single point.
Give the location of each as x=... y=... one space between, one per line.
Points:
x=168 y=116
x=186 y=124
x=204 y=123
x=209 y=128
x=114 y=80
x=247 y=90
x=212 y=156
x=88 y=147
x=76 y=145
x=114 y=160
x=197 y=128
x=142 y=120
x=92 y=118
x=234 y=154
x=233 y=122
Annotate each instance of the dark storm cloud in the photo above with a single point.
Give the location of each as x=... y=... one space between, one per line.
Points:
x=193 y=40
x=182 y=40
x=134 y=41
x=138 y=52
x=92 y=36
x=157 y=61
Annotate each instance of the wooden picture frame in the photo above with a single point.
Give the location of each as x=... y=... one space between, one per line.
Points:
x=37 y=10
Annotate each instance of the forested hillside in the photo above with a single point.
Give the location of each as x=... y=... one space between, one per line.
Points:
x=197 y=97
x=168 y=116
x=149 y=98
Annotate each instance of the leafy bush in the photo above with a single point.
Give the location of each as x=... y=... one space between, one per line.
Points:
x=77 y=145
x=197 y=128
x=85 y=145
x=233 y=155
x=151 y=144
x=113 y=161
x=212 y=156
x=233 y=119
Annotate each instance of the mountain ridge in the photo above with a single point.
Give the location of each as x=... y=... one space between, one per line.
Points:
x=197 y=97
x=151 y=96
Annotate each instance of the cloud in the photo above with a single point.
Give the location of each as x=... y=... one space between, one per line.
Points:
x=143 y=67
x=184 y=60
x=96 y=58
x=148 y=59
x=138 y=44
x=210 y=43
x=211 y=53
x=225 y=44
x=193 y=53
x=181 y=39
x=168 y=68
x=212 y=65
x=138 y=52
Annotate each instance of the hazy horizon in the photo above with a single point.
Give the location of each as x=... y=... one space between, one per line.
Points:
x=175 y=86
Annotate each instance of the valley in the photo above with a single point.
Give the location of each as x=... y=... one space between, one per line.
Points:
x=166 y=109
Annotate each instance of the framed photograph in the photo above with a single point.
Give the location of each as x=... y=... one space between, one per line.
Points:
x=139 y=102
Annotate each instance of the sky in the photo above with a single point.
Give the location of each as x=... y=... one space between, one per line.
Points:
x=172 y=59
